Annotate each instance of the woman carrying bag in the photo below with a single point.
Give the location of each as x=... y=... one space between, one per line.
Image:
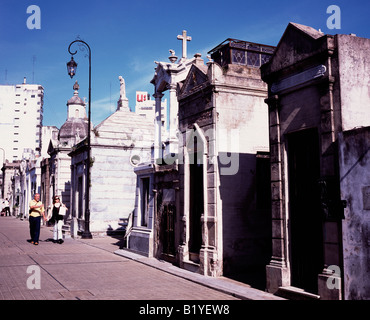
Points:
x=55 y=216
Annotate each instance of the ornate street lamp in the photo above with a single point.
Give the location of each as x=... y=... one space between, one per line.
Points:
x=71 y=67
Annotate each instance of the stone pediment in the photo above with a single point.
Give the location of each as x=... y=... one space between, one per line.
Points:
x=166 y=73
x=297 y=43
x=162 y=76
x=195 y=80
x=53 y=144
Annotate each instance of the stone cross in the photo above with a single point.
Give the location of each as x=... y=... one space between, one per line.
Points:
x=184 y=39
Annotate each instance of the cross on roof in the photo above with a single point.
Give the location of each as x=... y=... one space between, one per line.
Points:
x=184 y=39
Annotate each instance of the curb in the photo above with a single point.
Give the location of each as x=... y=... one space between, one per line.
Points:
x=224 y=285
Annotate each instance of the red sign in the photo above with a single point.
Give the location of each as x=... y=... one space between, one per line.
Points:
x=141 y=96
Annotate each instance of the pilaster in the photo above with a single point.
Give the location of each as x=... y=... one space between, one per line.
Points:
x=330 y=189
x=158 y=126
x=277 y=273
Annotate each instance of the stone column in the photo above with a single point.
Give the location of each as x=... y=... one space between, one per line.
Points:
x=173 y=118
x=277 y=273
x=71 y=211
x=210 y=254
x=330 y=279
x=72 y=215
x=183 y=248
x=158 y=126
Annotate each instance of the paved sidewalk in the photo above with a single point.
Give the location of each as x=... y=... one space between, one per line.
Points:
x=222 y=284
x=97 y=269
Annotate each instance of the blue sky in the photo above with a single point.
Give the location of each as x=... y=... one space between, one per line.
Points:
x=126 y=37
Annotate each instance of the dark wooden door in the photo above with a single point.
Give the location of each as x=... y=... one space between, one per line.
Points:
x=305 y=219
x=169 y=212
x=80 y=197
x=196 y=205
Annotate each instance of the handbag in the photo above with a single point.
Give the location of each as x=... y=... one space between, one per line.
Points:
x=62 y=211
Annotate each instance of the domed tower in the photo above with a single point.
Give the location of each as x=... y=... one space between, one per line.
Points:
x=75 y=128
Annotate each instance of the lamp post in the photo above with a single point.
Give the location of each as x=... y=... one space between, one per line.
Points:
x=2 y=181
x=71 y=67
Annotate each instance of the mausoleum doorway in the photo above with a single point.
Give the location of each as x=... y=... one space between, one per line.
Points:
x=305 y=218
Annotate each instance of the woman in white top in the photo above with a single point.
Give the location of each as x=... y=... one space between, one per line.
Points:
x=55 y=216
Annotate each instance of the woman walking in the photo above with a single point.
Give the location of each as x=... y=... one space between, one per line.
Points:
x=55 y=216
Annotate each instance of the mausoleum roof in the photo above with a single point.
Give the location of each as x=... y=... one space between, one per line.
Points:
x=309 y=30
x=75 y=100
x=125 y=128
x=73 y=131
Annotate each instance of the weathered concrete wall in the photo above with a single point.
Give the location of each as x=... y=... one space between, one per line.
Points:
x=354 y=70
x=64 y=178
x=242 y=131
x=300 y=110
x=112 y=187
x=243 y=123
x=354 y=153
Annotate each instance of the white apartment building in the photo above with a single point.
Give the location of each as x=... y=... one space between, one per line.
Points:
x=146 y=107
x=21 y=109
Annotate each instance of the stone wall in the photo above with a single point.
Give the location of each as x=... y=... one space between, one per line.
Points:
x=112 y=187
x=354 y=77
x=354 y=152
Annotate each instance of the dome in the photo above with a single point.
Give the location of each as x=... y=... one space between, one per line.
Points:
x=75 y=128
x=75 y=100
x=73 y=131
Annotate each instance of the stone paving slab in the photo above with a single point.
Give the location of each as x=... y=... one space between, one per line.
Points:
x=84 y=270
x=235 y=288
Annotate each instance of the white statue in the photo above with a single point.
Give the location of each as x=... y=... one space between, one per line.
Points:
x=122 y=90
